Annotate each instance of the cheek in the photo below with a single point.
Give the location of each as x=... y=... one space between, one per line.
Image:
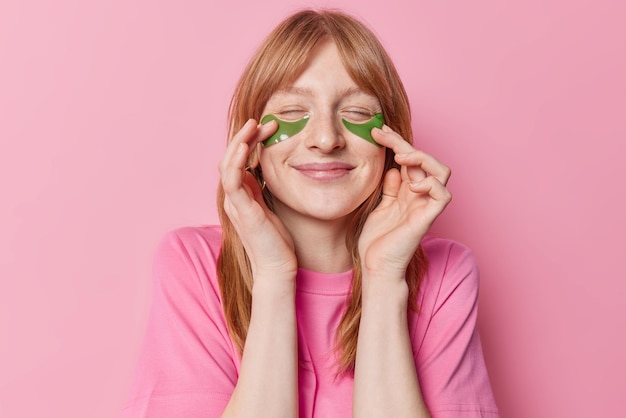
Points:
x=375 y=170
x=266 y=166
x=377 y=162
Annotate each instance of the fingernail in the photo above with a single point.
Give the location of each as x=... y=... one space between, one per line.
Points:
x=386 y=128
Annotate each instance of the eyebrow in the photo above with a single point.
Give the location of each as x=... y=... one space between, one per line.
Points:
x=304 y=91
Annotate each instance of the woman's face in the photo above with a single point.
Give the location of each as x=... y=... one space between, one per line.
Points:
x=324 y=172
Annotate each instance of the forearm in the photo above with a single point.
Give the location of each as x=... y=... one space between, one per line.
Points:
x=385 y=380
x=268 y=379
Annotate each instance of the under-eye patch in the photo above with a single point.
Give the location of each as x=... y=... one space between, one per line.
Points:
x=285 y=129
x=364 y=130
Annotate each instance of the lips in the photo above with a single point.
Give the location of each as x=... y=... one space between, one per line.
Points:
x=324 y=171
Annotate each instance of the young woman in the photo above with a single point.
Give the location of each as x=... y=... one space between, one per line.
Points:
x=320 y=295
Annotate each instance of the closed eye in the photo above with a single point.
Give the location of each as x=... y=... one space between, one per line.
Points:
x=357 y=115
x=291 y=114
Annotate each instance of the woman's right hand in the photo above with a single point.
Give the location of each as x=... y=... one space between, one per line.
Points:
x=268 y=377
x=267 y=242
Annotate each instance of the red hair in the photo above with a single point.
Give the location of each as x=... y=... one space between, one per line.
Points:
x=276 y=64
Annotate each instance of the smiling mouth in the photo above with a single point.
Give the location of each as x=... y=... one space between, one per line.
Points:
x=324 y=171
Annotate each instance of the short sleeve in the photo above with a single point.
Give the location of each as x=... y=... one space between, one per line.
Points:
x=186 y=367
x=450 y=362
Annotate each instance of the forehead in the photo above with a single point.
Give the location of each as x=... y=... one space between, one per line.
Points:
x=295 y=90
x=324 y=73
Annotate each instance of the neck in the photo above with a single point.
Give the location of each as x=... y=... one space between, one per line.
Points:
x=320 y=244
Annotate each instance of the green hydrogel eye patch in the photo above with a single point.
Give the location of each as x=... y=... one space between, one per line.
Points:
x=285 y=129
x=364 y=130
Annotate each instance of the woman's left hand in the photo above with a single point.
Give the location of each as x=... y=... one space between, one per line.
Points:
x=412 y=199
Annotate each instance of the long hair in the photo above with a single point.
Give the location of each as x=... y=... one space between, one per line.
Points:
x=276 y=64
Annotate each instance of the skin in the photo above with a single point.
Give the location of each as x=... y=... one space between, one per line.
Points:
x=314 y=204
x=321 y=175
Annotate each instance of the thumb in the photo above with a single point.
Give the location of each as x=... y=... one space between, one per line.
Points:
x=391 y=186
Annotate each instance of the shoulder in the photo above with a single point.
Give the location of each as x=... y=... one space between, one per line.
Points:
x=193 y=237
x=193 y=242
x=452 y=269
x=446 y=255
x=188 y=253
x=443 y=253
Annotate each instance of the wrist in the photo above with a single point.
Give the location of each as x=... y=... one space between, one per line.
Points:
x=285 y=271
x=274 y=286
x=385 y=293
x=273 y=301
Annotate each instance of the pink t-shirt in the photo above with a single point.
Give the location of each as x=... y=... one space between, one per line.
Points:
x=188 y=366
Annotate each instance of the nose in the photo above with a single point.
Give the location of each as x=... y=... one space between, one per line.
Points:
x=325 y=133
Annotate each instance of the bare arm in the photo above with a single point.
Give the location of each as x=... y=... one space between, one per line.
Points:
x=268 y=379
x=386 y=382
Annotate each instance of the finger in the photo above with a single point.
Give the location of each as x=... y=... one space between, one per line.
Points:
x=240 y=186
x=390 y=139
x=391 y=186
x=407 y=155
x=393 y=140
x=265 y=130
x=245 y=134
x=427 y=163
x=432 y=187
x=250 y=134
x=412 y=173
x=240 y=201
x=233 y=160
x=253 y=185
x=232 y=169
x=437 y=198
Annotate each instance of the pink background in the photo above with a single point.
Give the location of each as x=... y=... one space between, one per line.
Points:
x=113 y=117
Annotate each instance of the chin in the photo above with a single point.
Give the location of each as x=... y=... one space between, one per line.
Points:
x=322 y=213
